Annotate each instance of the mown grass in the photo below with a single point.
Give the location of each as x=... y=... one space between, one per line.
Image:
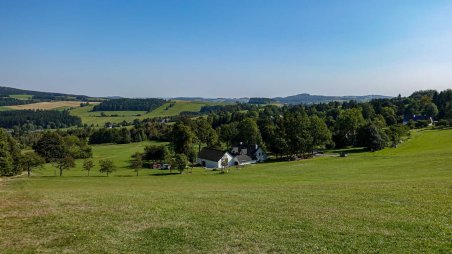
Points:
x=392 y=201
x=95 y=118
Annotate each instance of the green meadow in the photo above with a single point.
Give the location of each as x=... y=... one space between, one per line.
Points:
x=21 y=96
x=2 y=108
x=95 y=118
x=397 y=200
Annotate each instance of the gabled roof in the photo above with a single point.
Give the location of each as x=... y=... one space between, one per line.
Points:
x=211 y=154
x=243 y=158
x=243 y=149
x=417 y=118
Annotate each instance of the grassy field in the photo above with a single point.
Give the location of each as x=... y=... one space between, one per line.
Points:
x=21 y=96
x=89 y=117
x=2 y=108
x=391 y=201
x=48 y=105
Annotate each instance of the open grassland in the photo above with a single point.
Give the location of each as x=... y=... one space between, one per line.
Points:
x=95 y=118
x=2 y=108
x=21 y=96
x=48 y=105
x=391 y=201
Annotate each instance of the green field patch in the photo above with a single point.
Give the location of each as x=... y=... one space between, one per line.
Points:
x=21 y=96
x=89 y=117
x=4 y=108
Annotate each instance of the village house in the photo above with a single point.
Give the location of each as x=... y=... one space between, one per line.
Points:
x=213 y=158
x=248 y=154
x=240 y=155
x=416 y=118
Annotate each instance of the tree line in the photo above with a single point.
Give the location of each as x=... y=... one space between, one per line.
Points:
x=52 y=147
x=38 y=119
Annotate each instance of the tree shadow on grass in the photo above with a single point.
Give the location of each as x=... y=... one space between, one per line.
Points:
x=165 y=174
x=349 y=150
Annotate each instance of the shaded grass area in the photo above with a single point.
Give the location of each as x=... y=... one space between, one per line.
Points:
x=395 y=200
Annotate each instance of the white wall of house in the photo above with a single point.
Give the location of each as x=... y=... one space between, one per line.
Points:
x=216 y=164
x=208 y=163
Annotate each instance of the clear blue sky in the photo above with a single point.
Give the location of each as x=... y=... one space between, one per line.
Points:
x=226 y=48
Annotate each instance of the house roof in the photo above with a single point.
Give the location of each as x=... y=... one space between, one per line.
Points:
x=243 y=158
x=211 y=154
x=417 y=118
x=243 y=149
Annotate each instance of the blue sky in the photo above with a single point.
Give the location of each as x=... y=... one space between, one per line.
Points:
x=226 y=48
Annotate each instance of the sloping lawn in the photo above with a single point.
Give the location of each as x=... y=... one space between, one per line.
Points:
x=391 y=201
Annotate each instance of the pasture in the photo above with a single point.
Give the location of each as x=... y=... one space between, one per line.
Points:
x=3 y=108
x=21 y=96
x=89 y=117
x=391 y=201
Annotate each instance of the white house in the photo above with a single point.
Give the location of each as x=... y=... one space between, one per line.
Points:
x=248 y=154
x=212 y=158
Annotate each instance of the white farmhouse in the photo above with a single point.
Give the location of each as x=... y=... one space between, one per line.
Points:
x=212 y=158
x=248 y=154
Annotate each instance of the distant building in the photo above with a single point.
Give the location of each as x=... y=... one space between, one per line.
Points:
x=240 y=155
x=213 y=158
x=416 y=118
x=248 y=154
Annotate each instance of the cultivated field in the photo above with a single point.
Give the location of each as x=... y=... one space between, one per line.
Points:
x=49 y=105
x=391 y=201
x=95 y=118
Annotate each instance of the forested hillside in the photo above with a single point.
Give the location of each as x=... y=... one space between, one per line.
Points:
x=305 y=98
x=8 y=91
x=38 y=119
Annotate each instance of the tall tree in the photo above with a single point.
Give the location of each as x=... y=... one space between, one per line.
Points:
x=51 y=147
x=320 y=133
x=107 y=166
x=137 y=162
x=372 y=137
x=30 y=161
x=182 y=138
x=204 y=132
x=180 y=162
x=88 y=165
x=228 y=133
x=248 y=132
x=64 y=163
x=298 y=134
x=192 y=157
x=430 y=110
x=9 y=155
x=346 y=128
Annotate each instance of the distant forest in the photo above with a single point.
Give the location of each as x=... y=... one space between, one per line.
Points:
x=5 y=100
x=130 y=105
x=261 y=101
x=39 y=119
